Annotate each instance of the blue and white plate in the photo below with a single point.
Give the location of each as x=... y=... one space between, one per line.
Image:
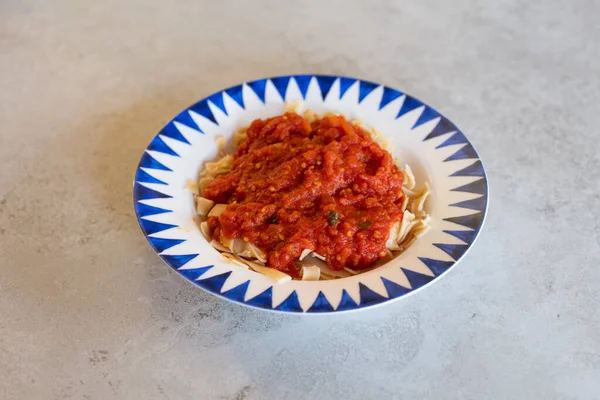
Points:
x=433 y=146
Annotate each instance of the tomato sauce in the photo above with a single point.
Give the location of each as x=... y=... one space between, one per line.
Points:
x=295 y=185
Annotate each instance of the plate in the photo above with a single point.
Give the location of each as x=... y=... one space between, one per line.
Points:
x=434 y=147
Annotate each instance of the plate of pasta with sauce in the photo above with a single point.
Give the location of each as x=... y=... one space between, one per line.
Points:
x=310 y=194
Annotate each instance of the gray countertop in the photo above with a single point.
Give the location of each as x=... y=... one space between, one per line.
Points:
x=88 y=311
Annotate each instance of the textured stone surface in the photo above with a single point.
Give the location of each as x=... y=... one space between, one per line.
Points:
x=88 y=311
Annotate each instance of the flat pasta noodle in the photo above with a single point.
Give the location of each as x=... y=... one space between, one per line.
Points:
x=203 y=206
x=408 y=221
x=409 y=177
x=325 y=269
x=418 y=203
x=304 y=253
x=294 y=107
x=392 y=242
x=326 y=277
x=235 y=260
x=236 y=246
x=257 y=253
x=409 y=193
x=192 y=186
x=217 y=245
x=239 y=136
x=404 y=203
x=310 y=116
x=380 y=139
x=206 y=231
x=415 y=221
x=407 y=243
x=419 y=232
x=406 y=230
x=278 y=276
x=217 y=210
x=221 y=144
x=311 y=273
x=220 y=167
x=203 y=183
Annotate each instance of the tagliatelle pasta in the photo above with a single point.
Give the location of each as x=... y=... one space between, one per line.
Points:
x=203 y=206
x=309 y=197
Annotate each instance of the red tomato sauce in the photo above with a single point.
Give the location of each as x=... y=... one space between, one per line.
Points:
x=295 y=185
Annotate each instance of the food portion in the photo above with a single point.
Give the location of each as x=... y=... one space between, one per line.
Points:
x=309 y=197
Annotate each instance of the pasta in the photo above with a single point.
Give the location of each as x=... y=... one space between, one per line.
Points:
x=220 y=211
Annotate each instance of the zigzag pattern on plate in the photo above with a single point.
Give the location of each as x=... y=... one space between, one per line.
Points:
x=152 y=192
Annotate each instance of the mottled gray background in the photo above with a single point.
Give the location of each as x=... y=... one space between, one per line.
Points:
x=88 y=311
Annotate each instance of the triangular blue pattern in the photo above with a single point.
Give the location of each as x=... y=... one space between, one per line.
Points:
x=369 y=297
x=144 y=210
x=346 y=303
x=475 y=169
x=157 y=144
x=179 y=261
x=473 y=204
x=416 y=279
x=148 y=161
x=321 y=304
x=238 y=293
x=394 y=290
x=290 y=304
x=389 y=95
x=427 y=115
x=442 y=127
x=263 y=300
x=410 y=103
x=479 y=187
x=236 y=94
x=217 y=100
x=345 y=84
x=466 y=236
x=281 y=84
x=325 y=83
x=193 y=274
x=151 y=227
x=457 y=138
x=438 y=267
x=364 y=88
x=143 y=193
x=163 y=244
x=464 y=153
x=303 y=81
x=186 y=119
x=472 y=221
x=214 y=283
x=142 y=176
x=259 y=88
x=203 y=109
x=453 y=250
x=171 y=131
